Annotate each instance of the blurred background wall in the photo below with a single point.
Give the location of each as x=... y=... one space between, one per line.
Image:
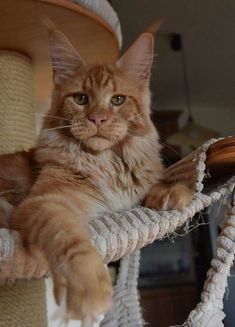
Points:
x=208 y=29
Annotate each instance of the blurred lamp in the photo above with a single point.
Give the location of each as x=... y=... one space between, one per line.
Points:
x=192 y=134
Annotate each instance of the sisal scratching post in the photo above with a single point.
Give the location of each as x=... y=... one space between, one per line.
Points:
x=22 y=304
x=17 y=124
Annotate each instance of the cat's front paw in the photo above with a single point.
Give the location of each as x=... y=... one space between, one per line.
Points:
x=83 y=284
x=166 y=197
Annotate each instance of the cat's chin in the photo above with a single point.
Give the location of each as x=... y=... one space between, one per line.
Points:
x=97 y=143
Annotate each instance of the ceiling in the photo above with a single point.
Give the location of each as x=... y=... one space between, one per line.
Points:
x=208 y=31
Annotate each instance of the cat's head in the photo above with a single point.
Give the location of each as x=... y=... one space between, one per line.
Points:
x=101 y=105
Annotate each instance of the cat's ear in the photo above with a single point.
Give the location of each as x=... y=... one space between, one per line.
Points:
x=138 y=58
x=64 y=57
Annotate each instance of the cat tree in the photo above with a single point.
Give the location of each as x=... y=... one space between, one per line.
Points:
x=115 y=235
x=25 y=77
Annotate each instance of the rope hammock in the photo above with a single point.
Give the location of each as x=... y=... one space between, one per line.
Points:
x=122 y=234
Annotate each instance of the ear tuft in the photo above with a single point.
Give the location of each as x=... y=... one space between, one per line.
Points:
x=138 y=58
x=64 y=57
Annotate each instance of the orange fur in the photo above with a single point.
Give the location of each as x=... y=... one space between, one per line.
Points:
x=164 y=196
x=89 y=168
x=15 y=177
x=15 y=182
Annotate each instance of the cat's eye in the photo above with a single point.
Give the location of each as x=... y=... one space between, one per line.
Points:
x=118 y=100
x=81 y=99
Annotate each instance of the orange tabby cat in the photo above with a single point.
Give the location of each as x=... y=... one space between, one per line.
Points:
x=98 y=152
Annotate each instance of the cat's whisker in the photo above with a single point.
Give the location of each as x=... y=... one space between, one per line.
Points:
x=137 y=115
x=166 y=159
x=131 y=132
x=67 y=134
x=61 y=127
x=171 y=148
x=10 y=191
x=51 y=116
x=55 y=128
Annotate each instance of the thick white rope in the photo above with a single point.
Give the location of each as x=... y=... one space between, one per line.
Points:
x=208 y=312
x=126 y=310
x=119 y=234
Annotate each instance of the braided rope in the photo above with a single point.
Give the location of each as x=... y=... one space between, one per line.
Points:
x=208 y=312
x=126 y=310
x=116 y=235
x=120 y=234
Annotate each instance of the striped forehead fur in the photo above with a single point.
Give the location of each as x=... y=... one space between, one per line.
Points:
x=99 y=76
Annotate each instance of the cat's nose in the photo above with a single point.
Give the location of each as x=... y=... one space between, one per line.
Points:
x=98 y=119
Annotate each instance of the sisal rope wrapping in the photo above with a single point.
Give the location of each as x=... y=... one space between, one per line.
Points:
x=17 y=123
x=22 y=304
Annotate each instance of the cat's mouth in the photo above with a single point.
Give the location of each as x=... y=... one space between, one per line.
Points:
x=98 y=138
x=99 y=135
x=98 y=142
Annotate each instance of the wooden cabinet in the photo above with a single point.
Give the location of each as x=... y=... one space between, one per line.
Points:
x=168 y=306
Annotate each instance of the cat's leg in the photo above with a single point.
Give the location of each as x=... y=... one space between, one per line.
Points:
x=15 y=182
x=166 y=196
x=6 y=210
x=52 y=219
x=16 y=176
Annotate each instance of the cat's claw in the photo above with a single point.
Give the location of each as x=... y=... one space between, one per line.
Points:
x=168 y=197
x=86 y=284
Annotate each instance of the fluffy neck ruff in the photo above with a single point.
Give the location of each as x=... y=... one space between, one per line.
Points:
x=52 y=142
